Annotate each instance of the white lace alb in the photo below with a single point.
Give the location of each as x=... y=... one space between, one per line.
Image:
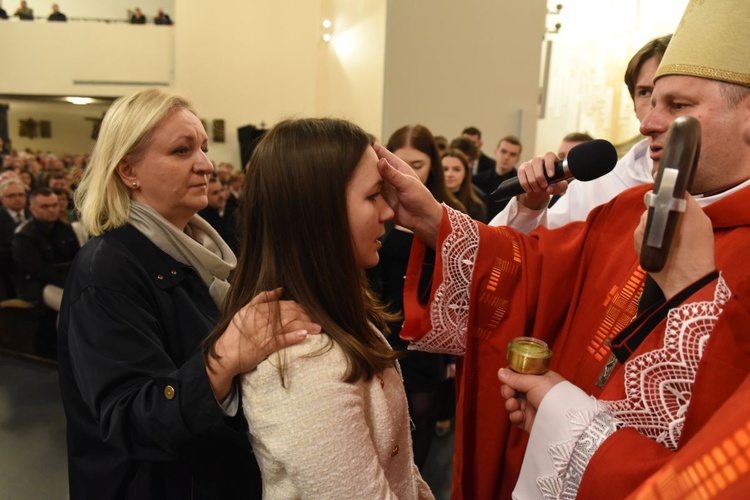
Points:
x=449 y=311
x=658 y=388
x=658 y=384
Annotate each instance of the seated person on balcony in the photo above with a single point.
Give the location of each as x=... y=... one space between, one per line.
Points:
x=24 y=12
x=162 y=18
x=56 y=14
x=137 y=17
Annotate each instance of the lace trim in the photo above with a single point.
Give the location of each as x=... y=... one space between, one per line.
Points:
x=449 y=312
x=658 y=386
x=570 y=458
x=659 y=383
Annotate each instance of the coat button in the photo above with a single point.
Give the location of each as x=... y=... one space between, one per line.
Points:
x=159 y=277
x=169 y=392
x=394 y=451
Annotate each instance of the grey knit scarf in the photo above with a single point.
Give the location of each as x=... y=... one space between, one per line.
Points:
x=198 y=246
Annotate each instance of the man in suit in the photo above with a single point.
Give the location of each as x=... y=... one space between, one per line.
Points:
x=43 y=249
x=13 y=200
x=483 y=163
x=12 y=213
x=507 y=153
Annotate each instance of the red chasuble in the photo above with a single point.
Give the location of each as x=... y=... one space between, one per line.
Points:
x=715 y=464
x=666 y=387
x=575 y=287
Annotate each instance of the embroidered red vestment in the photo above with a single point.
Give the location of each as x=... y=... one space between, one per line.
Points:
x=574 y=287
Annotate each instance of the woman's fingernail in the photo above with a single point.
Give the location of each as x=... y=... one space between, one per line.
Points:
x=503 y=373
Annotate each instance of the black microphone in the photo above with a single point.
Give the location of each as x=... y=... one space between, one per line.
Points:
x=585 y=162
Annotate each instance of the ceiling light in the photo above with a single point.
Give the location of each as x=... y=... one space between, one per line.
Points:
x=81 y=101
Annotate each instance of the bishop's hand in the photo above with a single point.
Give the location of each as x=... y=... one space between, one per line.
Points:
x=524 y=393
x=691 y=255
x=413 y=205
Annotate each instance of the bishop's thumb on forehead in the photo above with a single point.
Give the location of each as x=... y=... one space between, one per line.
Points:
x=389 y=172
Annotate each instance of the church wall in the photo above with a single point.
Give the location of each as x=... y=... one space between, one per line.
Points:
x=453 y=64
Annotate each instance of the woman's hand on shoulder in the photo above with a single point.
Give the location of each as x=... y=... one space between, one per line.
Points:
x=254 y=333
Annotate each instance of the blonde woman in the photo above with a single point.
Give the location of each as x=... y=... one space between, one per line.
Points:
x=148 y=415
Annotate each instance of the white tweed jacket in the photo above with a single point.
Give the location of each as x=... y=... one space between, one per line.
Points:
x=320 y=437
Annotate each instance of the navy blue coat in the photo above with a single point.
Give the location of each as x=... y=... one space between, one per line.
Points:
x=143 y=422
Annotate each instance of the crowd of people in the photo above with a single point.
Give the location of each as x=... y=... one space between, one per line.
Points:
x=307 y=333
x=40 y=236
x=40 y=232
x=138 y=17
x=25 y=13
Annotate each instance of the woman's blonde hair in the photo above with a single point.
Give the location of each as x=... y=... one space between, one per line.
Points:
x=102 y=201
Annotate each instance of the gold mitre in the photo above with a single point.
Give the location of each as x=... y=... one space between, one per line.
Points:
x=712 y=41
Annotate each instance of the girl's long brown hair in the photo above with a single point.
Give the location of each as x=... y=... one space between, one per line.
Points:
x=295 y=235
